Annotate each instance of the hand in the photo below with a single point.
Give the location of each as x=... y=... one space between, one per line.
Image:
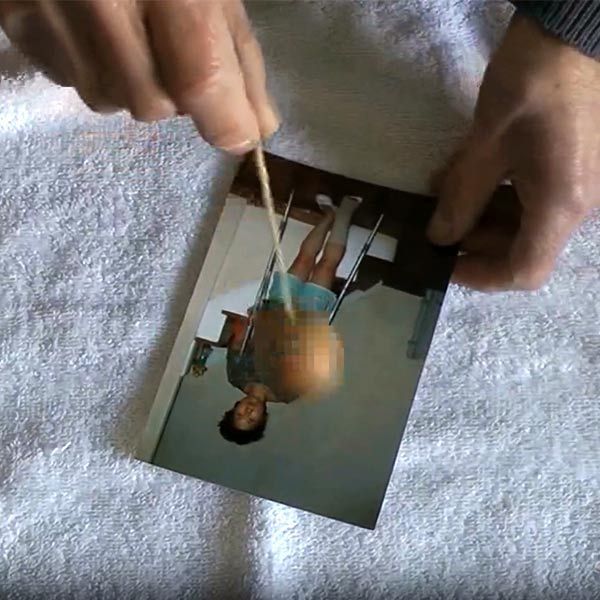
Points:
x=155 y=58
x=537 y=124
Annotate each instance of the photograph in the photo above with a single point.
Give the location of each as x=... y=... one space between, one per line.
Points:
x=310 y=413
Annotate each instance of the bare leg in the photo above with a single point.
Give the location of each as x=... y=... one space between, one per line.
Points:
x=310 y=247
x=335 y=249
x=324 y=272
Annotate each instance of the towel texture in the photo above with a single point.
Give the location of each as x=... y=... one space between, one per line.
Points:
x=103 y=229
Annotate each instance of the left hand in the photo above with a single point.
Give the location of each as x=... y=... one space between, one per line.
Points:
x=537 y=124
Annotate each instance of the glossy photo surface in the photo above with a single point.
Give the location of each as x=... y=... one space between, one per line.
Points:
x=368 y=288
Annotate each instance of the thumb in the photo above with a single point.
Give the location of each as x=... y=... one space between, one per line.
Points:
x=470 y=179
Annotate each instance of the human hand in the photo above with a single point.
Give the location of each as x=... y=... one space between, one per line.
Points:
x=155 y=58
x=537 y=124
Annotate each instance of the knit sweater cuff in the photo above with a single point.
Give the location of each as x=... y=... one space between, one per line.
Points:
x=576 y=22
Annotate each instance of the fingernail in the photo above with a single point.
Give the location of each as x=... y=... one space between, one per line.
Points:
x=440 y=230
x=270 y=120
x=266 y=137
x=242 y=148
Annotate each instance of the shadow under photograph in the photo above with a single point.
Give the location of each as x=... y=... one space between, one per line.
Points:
x=357 y=256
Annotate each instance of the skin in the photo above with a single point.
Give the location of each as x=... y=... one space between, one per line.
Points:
x=249 y=412
x=535 y=124
x=305 y=357
x=312 y=352
x=154 y=58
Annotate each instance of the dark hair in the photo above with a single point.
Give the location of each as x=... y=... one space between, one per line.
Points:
x=240 y=436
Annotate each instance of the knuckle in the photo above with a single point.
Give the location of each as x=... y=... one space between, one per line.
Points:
x=211 y=80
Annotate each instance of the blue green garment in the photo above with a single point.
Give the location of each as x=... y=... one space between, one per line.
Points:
x=306 y=295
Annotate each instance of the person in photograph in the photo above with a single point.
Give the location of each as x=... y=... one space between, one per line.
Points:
x=310 y=280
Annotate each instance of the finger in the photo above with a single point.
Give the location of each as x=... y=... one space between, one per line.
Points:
x=253 y=68
x=498 y=226
x=488 y=241
x=545 y=230
x=532 y=257
x=465 y=191
x=482 y=272
x=195 y=53
x=437 y=177
x=73 y=44
x=483 y=265
x=24 y=25
x=124 y=56
x=47 y=33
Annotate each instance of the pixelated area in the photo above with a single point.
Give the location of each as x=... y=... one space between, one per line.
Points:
x=299 y=357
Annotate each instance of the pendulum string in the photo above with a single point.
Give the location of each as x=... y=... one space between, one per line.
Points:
x=267 y=199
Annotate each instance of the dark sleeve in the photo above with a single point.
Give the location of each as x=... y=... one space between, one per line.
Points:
x=576 y=22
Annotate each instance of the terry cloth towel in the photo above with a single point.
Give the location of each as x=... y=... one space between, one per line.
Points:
x=103 y=229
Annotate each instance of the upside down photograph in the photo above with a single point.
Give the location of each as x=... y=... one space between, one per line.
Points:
x=356 y=253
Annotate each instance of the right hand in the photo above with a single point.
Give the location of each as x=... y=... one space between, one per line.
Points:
x=536 y=124
x=154 y=58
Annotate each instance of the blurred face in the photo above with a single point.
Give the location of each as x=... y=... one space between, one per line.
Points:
x=248 y=413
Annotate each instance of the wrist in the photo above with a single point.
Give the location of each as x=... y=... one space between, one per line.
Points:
x=533 y=64
x=575 y=23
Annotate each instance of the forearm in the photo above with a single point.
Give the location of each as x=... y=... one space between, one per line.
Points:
x=233 y=333
x=576 y=22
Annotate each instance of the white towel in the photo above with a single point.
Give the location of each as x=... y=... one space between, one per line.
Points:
x=495 y=490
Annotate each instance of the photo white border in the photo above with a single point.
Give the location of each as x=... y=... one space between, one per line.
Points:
x=178 y=362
